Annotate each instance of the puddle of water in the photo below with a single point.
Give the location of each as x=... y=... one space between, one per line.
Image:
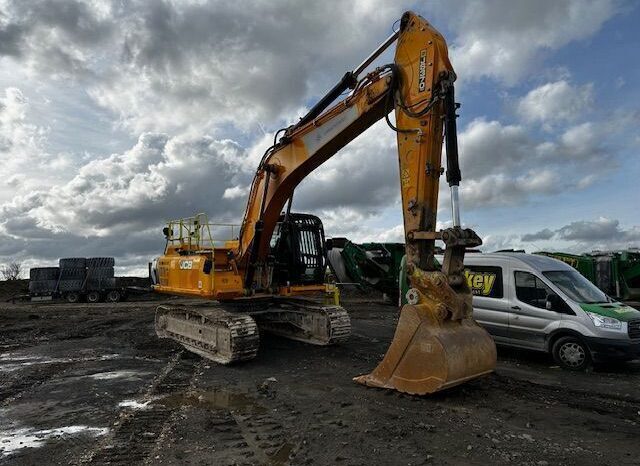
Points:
x=15 y=362
x=217 y=399
x=135 y=405
x=13 y=357
x=18 y=362
x=109 y=357
x=13 y=440
x=116 y=375
x=281 y=457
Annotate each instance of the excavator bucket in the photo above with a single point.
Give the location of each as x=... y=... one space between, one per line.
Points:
x=426 y=356
x=432 y=351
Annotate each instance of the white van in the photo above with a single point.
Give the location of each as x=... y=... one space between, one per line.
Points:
x=540 y=303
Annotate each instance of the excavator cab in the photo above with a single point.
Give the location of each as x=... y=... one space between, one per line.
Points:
x=298 y=250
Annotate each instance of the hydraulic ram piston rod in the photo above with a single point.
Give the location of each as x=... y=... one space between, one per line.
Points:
x=455 y=206
x=348 y=81
x=376 y=53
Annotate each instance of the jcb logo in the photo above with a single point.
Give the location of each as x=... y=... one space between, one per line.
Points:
x=481 y=283
x=186 y=265
x=422 y=71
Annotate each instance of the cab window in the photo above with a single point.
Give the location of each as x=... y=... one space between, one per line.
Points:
x=531 y=290
x=484 y=281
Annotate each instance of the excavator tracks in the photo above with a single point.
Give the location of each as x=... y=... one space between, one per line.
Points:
x=211 y=332
x=309 y=323
x=227 y=333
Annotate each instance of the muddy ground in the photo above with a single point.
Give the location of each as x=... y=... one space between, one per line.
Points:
x=93 y=385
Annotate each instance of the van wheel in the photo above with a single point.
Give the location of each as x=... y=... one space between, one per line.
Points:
x=571 y=353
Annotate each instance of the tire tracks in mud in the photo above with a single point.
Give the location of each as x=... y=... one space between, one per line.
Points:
x=233 y=438
x=16 y=387
x=142 y=436
x=134 y=433
x=266 y=437
x=615 y=406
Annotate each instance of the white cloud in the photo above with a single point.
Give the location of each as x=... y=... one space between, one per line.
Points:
x=583 y=139
x=55 y=36
x=23 y=153
x=490 y=146
x=17 y=137
x=497 y=242
x=602 y=229
x=605 y=234
x=544 y=234
x=195 y=67
x=503 y=189
x=391 y=235
x=235 y=192
x=555 y=102
x=577 y=237
x=504 y=164
x=364 y=174
x=504 y=39
x=159 y=178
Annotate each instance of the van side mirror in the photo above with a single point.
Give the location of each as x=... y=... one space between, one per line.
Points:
x=165 y=232
x=328 y=244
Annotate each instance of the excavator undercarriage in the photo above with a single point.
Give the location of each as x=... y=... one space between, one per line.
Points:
x=228 y=333
x=210 y=331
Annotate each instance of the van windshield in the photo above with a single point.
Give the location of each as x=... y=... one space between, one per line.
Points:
x=576 y=287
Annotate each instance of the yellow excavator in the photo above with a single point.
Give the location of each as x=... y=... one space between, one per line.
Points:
x=271 y=277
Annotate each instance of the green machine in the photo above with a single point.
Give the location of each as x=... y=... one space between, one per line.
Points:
x=366 y=265
x=615 y=273
x=379 y=266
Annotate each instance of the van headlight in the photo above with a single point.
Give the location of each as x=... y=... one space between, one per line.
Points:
x=605 y=322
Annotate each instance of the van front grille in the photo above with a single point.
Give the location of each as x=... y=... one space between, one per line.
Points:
x=634 y=329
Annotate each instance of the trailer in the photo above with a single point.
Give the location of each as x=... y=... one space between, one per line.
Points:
x=76 y=279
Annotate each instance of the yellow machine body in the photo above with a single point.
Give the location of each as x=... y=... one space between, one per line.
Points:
x=185 y=275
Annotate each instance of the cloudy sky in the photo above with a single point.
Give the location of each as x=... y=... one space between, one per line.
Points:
x=117 y=115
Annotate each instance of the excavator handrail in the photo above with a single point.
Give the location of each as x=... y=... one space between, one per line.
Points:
x=195 y=232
